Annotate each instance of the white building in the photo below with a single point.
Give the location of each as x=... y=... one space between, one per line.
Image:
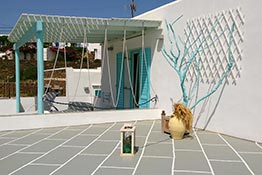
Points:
x=96 y=48
x=91 y=47
x=234 y=108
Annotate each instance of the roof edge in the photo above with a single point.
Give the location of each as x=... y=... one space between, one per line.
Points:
x=156 y=9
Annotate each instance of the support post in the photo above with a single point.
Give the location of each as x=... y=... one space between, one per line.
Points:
x=17 y=78
x=40 y=67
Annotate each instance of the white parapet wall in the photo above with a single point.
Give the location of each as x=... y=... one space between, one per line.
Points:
x=31 y=121
x=7 y=106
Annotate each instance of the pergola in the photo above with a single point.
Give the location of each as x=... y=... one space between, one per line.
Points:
x=48 y=28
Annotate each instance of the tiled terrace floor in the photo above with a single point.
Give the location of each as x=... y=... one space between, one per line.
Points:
x=95 y=149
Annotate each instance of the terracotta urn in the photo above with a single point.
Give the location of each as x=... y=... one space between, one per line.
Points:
x=177 y=127
x=180 y=121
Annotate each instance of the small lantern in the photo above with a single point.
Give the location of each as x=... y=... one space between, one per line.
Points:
x=164 y=122
x=128 y=140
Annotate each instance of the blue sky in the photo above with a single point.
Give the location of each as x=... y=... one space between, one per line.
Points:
x=10 y=10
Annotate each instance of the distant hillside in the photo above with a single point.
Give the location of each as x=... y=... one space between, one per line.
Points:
x=28 y=75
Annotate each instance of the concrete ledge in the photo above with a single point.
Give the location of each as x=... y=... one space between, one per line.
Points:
x=32 y=121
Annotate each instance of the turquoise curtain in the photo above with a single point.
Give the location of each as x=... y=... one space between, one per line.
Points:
x=144 y=65
x=120 y=88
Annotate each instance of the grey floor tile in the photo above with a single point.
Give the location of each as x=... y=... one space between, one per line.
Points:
x=66 y=134
x=4 y=132
x=145 y=122
x=18 y=134
x=205 y=132
x=14 y=162
x=116 y=160
x=157 y=126
x=154 y=166
x=100 y=148
x=58 y=156
x=37 y=169
x=5 y=150
x=118 y=126
x=51 y=130
x=159 y=137
x=95 y=130
x=115 y=171
x=103 y=125
x=78 y=127
x=30 y=139
x=192 y=173
x=44 y=146
x=242 y=145
x=220 y=153
x=142 y=130
x=155 y=149
x=81 y=140
x=111 y=135
x=140 y=141
x=187 y=143
x=254 y=161
x=189 y=160
x=81 y=165
x=210 y=139
x=231 y=168
x=5 y=140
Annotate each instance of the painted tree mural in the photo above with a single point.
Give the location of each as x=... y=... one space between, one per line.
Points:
x=208 y=53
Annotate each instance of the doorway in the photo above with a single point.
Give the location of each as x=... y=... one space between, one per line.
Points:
x=133 y=88
x=135 y=81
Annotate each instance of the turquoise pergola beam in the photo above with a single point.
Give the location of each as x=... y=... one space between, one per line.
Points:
x=35 y=30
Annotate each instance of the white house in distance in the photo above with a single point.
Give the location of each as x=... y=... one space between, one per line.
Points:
x=91 y=47
x=183 y=51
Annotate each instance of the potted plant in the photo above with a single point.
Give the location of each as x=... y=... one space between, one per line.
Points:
x=180 y=121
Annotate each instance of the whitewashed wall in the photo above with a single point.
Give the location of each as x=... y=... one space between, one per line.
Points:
x=7 y=106
x=77 y=80
x=232 y=110
x=237 y=112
